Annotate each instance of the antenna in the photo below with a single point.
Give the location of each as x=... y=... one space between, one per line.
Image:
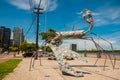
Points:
x=73 y=27
x=64 y=27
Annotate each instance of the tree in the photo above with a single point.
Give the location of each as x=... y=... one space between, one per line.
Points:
x=46 y=48
x=48 y=36
x=29 y=47
x=12 y=48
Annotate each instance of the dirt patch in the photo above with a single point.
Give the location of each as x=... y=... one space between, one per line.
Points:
x=3 y=60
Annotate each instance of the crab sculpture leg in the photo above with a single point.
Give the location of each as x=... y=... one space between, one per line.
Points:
x=60 y=52
x=63 y=64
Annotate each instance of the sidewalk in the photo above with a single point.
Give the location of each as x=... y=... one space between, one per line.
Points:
x=50 y=70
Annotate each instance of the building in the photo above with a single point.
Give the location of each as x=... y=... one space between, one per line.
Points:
x=73 y=46
x=4 y=37
x=17 y=36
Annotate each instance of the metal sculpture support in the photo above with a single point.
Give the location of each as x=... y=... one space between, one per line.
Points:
x=60 y=52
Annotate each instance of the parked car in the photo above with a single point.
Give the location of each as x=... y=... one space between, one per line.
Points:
x=6 y=52
x=44 y=54
x=27 y=54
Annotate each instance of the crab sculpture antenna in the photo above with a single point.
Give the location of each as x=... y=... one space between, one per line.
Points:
x=89 y=20
x=87 y=16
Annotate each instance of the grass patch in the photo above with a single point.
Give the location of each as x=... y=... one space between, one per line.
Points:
x=8 y=66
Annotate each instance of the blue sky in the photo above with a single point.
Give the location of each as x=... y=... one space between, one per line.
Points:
x=57 y=13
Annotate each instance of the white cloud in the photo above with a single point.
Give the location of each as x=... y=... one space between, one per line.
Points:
x=95 y=14
x=21 y=4
x=113 y=13
x=48 y=5
x=106 y=16
x=52 y=5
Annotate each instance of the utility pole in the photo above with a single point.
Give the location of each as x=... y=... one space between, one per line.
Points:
x=37 y=30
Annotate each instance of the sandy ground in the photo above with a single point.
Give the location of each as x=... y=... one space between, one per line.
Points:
x=49 y=70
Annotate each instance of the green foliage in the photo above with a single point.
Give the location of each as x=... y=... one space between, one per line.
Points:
x=46 y=49
x=27 y=47
x=12 y=48
x=7 y=67
x=48 y=36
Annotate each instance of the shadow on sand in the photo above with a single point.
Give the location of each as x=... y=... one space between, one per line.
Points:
x=89 y=72
x=88 y=66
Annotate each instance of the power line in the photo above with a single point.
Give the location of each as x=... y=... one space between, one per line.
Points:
x=31 y=25
x=32 y=10
x=39 y=3
x=46 y=16
x=31 y=5
x=34 y=17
